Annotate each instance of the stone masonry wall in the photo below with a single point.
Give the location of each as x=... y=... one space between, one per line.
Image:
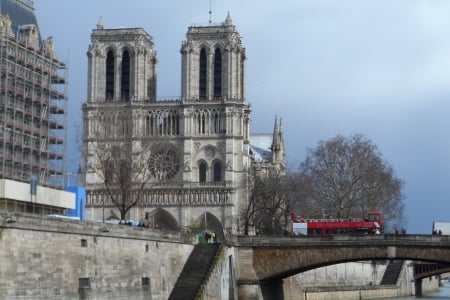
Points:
x=346 y=274
x=65 y=259
x=220 y=284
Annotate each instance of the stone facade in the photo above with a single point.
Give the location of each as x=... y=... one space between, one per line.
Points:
x=64 y=259
x=220 y=283
x=195 y=150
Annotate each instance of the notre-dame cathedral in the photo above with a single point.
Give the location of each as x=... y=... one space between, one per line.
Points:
x=197 y=149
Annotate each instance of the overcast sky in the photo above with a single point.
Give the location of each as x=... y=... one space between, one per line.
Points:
x=376 y=68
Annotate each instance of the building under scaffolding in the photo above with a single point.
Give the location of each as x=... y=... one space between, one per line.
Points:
x=33 y=89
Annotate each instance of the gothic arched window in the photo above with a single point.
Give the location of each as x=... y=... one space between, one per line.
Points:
x=217 y=172
x=109 y=92
x=201 y=122
x=202 y=172
x=125 y=84
x=216 y=123
x=217 y=74
x=148 y=124
x=202 y=75
x=177 y=128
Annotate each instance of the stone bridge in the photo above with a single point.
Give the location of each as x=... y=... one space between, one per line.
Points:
x=263 y=262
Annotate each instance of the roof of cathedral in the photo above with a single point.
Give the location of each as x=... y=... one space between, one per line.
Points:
x=261 y=146
x=20 y=12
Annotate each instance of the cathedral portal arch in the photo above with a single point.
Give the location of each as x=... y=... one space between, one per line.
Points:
x=209 y=221
x=162 y=219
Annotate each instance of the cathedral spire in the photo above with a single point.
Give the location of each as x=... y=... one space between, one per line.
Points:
x=100 y=24
x=275 y=142
x=228 y=20
x=280 y=137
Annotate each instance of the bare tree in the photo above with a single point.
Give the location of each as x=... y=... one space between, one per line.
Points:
x=346 y=177
x=124 y=172
x=265 y=212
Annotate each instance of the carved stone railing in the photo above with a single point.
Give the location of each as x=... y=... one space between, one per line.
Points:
x=185 y=194
x=173 y=185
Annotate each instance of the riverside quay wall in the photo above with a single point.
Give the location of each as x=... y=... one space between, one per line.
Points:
x=51 y=258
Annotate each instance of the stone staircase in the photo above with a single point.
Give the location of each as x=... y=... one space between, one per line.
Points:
x=392 y=272
x=194 y=272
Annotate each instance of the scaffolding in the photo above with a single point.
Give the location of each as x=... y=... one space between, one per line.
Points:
x=33 y=94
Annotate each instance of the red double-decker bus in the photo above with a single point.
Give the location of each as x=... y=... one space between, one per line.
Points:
x=372 y=224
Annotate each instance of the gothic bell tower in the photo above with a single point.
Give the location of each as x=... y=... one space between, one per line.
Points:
x=121 y=65
x=213 y=63
x=216 y=115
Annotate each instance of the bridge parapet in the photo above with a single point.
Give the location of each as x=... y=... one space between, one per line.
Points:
x=335 y=240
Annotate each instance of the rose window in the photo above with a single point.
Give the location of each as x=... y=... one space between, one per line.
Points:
x=164 y=163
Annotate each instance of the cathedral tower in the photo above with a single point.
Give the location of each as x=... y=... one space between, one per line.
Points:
x=217 y=116
x=213 y=63
x=121 y=65
x=194 y=149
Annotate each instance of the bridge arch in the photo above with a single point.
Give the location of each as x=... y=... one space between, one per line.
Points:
x=265 y=261
x=424 y=270
x=295 y=255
